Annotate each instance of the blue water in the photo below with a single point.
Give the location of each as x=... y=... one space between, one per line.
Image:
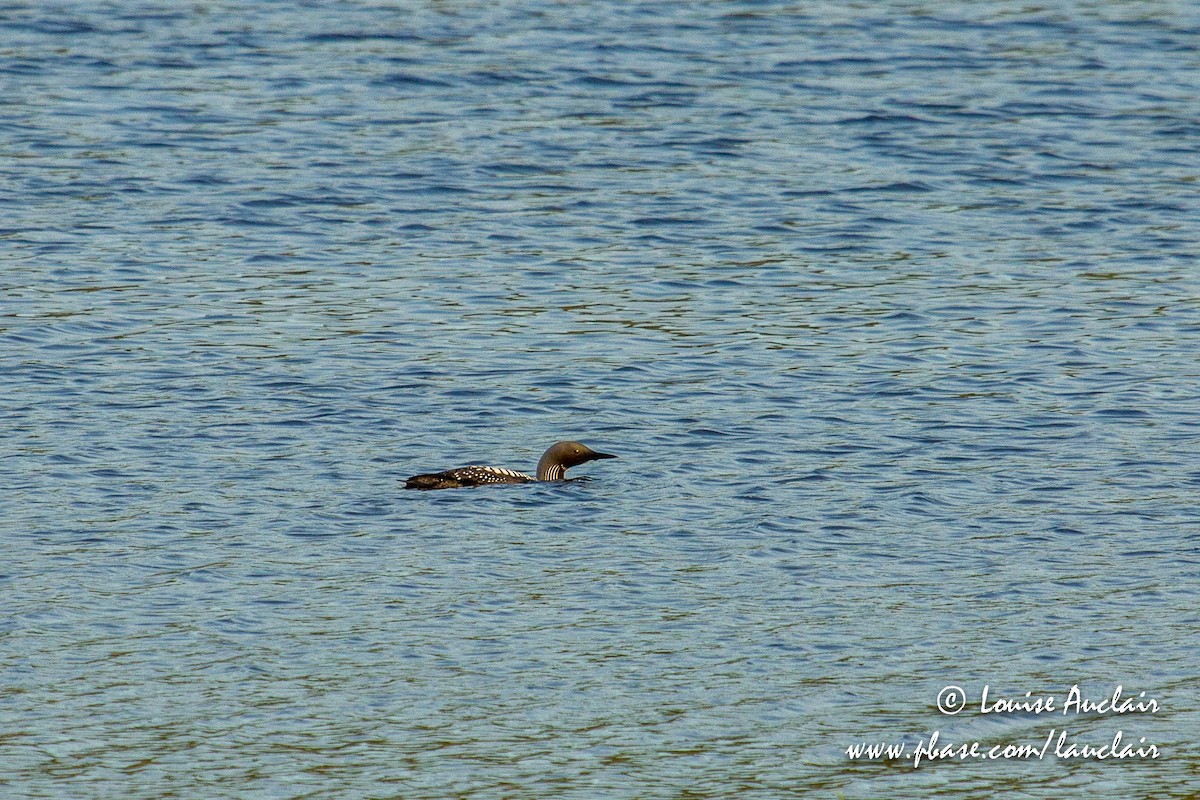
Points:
x=891 y=312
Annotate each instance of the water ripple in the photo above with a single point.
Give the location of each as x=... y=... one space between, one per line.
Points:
x=888 y=313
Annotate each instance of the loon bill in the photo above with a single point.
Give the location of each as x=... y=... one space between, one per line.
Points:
x=552 y=467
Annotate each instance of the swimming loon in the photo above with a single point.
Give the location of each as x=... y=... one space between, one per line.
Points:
x=552 y=467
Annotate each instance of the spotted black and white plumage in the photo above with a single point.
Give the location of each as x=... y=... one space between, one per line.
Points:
x=467 y=476
x=552 y=467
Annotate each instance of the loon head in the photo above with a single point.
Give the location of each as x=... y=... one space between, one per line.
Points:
x=563 y=455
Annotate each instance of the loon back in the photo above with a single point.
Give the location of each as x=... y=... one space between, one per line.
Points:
x=464 y=477
x=552 y=467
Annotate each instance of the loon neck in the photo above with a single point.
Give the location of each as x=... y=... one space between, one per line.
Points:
x=550 y=472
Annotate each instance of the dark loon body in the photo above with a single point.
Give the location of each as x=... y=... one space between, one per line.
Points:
x=552 y=467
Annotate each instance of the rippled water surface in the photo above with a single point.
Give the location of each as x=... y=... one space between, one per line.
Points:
x=890 y=310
